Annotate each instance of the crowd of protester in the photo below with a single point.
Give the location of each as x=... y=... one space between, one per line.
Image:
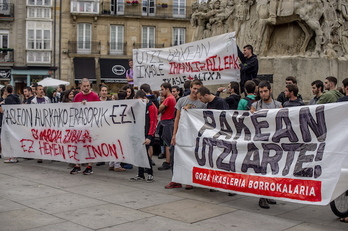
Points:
x=163 y=110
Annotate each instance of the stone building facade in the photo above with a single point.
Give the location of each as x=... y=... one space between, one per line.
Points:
x=69 y=40
x=29 y=47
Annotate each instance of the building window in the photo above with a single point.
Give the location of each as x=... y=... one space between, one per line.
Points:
x=148 y=37
x=4 y=39
x=117 y=7
x=179 y=8
x=39 y=39
x=84 y=38
x=5 y=7
x=149 y=7
x=39 y=57
x=42 y=12
x=39 y=2
x=116 y=39
x=178 y=36
x=85 y=6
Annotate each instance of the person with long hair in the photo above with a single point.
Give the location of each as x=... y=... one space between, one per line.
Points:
x=69 y=95
x=130 y=91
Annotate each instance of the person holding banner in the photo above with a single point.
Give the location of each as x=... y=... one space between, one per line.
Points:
x=150 y=129
x=165 y=126
x=249 y=65
x=40 y=98
x=103 y=96
x=10 y=98
x=188 y=102
x=266 y=102
x=212 y=101
x=86 y=95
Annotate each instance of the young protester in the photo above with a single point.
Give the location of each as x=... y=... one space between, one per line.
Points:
x=246 y=102
x=212 y=101
x=331 y=94
x=317 y=90
x=188 y=102
x=233 y=99
x=86 y=95
x=165 y=126
x=150 y=129
x=266 y=102
x=10 y=98
x=291 y=92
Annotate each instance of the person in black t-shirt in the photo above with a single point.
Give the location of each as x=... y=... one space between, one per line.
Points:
x=233 y=99
x=28 y=94
x=291 y=92
x=212 y=101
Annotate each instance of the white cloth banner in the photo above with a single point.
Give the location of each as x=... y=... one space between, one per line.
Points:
x=294 y=154
x=76 y=133
x=213 y=60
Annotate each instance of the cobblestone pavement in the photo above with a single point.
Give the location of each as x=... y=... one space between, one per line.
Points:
x=46 y=197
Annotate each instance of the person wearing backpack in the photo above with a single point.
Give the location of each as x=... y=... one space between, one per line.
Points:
x=245 y=103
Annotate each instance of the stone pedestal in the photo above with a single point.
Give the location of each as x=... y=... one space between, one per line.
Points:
x=305 y=69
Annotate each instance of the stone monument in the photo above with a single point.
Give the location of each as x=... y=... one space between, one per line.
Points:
x=303 y=38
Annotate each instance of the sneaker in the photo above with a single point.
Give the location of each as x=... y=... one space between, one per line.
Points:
x=149 y=179
x=126 y=166
x=263 y=203
x=271 y=201
x=165 y=166
x=173 y=185
x=137 y=178
x=75 y=170
x=88 y=171
x=11 y=160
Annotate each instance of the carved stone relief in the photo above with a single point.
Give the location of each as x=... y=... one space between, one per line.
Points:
x=316 y=28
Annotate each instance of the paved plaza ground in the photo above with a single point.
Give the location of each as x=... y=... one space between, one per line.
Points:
x=46 y=197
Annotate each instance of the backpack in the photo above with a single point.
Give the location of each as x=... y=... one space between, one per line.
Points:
x=250 y=102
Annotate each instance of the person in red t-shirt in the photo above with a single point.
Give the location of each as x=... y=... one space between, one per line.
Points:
x=150 y=130
x=166 y=125
x=86 y=95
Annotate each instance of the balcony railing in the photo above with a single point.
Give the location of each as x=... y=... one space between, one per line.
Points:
x=84 y=47
x=148 y=45
x=6 y=55
x=6 y=10
x=156 y=11
x=117 y=48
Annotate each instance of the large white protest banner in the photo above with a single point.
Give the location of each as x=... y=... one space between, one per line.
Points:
x=213 y=60
x=76 y=133
x=293 y=154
